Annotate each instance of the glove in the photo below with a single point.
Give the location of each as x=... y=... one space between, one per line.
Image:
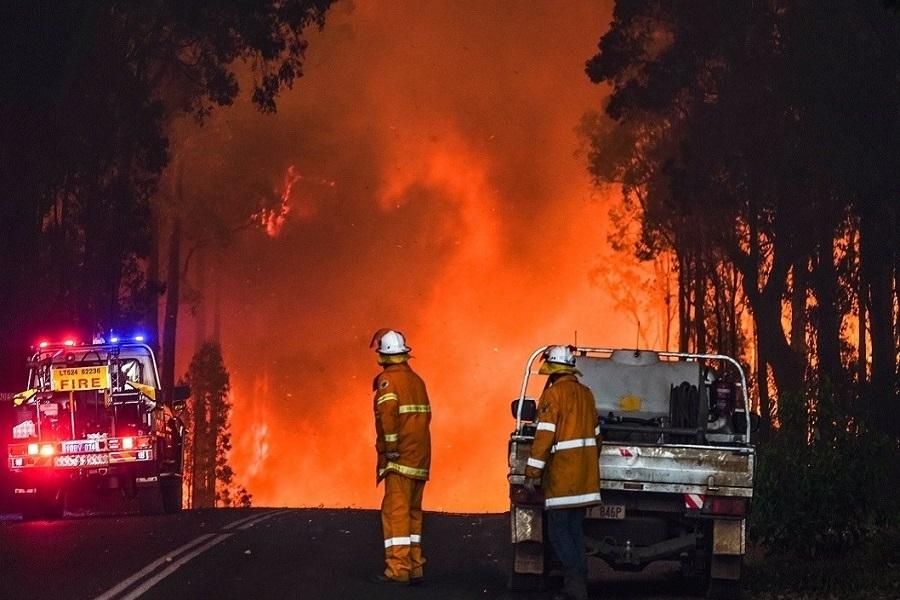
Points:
x=530 y=484
x=393 y=455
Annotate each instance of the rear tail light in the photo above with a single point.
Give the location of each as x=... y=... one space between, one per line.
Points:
x=33 y=449
x=735 y=507
x=48 y=450
x=127 y=443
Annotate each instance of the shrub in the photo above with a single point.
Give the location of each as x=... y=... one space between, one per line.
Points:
x=820 y=493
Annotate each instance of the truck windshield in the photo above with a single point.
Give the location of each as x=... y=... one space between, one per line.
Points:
x=135 y=363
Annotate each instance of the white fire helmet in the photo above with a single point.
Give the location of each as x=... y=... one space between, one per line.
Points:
x=388 y=341
x=560 y=355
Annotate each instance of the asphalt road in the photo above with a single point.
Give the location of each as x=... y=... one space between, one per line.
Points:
x=307 y=554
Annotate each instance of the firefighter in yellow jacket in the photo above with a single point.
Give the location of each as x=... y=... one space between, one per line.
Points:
x=403 y=443
x=564 y=457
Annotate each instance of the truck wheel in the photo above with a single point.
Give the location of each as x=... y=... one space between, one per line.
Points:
x=150 y=499
x=524 y=582
x=172 y=496
x=724 y=589
x=45 y=506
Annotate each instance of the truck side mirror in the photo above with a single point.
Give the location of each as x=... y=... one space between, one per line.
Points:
x=529 y=409
x=181 y=392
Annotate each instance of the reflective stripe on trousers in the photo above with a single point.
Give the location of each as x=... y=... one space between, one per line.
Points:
x=403 y=470
x=401 y=521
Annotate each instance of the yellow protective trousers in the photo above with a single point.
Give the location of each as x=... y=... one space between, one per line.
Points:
x=401 y=521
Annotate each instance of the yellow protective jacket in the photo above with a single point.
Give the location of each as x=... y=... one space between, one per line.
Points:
x=402 y=418
x=565 y=453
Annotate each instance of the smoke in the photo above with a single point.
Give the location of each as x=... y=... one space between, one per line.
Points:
x=430 y=183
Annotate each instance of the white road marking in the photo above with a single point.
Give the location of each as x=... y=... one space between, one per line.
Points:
x=234 y=524
x=139 y=591
x=111 y=593
x=179 y=557
x=261 y=519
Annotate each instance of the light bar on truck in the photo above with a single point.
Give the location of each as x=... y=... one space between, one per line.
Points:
x=138 y=337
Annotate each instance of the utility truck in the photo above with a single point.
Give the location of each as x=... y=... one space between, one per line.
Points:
x=94 y=419
x=676 y=467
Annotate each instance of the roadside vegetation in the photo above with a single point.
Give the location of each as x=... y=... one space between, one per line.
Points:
x=826 y=517
x=755 y=144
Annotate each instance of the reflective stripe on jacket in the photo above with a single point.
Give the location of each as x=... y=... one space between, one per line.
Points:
x=565 y=453
x=402 y=419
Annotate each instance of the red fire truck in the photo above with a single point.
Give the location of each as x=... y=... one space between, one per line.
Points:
x=93 y=417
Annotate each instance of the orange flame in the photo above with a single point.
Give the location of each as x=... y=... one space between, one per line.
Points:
x=464 y=219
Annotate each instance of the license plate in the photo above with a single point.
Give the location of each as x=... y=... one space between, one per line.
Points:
x=81 y=460
x=606 y=511
x=80 y=446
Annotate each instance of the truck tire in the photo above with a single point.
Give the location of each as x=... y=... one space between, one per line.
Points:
x=720 y=588
x=47 y=506
x=724 y=589
x=150 y=499
x=524 y=582
x=172 y=496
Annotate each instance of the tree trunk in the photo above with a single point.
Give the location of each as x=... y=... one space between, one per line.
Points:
x=762 y=383
x=170 y=326
x=862 y=375
x=153 y=282
x=877 y=262
x=765 y=303
x=682 y=303
x=699 y=302
x=828 y=336
x=200 y=285
x=798 y=307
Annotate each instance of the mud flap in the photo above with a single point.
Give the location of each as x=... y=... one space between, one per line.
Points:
x=149 y=495
x=526 y=528
x=729 y=538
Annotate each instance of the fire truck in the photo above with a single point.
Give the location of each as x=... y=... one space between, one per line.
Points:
x=676 y=468
x=94 y=419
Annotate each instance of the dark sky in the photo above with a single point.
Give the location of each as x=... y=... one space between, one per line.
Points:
x=442 y=194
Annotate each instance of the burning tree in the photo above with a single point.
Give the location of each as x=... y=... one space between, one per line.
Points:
x=85 y=136
x=209 y=477
x=756 y=142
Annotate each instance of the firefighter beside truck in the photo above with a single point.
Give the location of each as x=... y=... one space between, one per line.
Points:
x=676 y=467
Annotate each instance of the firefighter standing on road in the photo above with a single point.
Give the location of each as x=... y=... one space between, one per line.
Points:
x=403 y=443
x=564 y=457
